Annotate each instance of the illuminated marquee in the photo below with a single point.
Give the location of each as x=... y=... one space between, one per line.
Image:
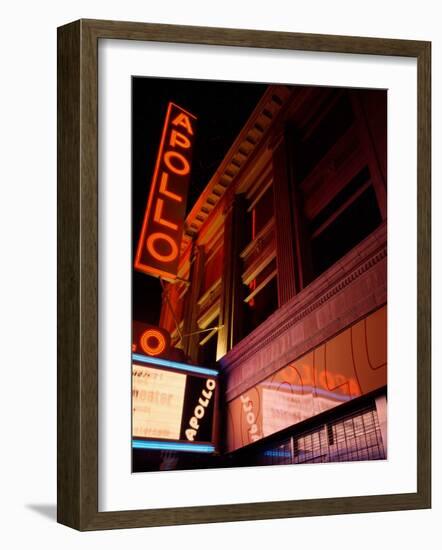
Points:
x=159 y=243
x=172 y=401
x=157 y=402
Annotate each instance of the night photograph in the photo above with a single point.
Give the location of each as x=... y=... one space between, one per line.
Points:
x=259 y=282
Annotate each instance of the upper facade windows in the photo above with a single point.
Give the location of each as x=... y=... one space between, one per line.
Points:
x=312 y=189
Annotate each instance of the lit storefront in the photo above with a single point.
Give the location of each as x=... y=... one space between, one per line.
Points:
x=281 y=285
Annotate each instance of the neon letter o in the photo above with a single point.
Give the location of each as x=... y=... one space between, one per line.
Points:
x=152 y=239
x=180 y=171
x=150 y=334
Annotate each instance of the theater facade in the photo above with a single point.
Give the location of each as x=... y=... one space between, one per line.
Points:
x=281 y=286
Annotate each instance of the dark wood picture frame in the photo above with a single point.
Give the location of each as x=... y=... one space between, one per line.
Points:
x=77 y=461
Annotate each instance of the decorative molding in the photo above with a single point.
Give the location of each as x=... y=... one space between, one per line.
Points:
x=251 y=137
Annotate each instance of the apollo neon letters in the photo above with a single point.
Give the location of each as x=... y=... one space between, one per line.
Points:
x=160 y=239
x=200 y=409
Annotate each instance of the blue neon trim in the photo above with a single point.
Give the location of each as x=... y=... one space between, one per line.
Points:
x=173 y=364
x=277 y=453
x=172 y=446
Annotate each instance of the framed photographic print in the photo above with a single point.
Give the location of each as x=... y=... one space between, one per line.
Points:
x=237 y=212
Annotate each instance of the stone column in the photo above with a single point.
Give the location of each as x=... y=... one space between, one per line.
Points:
x=231 y=307
x=292 y=241
x=285 y=252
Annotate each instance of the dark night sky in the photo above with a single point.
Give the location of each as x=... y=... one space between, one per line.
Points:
x=222 y=109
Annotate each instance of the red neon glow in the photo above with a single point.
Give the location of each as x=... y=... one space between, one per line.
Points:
x=180 y=171
x=177 y=138
x=158 y=247
x=158 y=217
x=152 y=190
x=183 y=120
x=152 y=342
x=164 y=191
x=151 y=242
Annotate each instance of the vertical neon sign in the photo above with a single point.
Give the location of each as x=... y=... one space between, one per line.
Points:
x=159 y=243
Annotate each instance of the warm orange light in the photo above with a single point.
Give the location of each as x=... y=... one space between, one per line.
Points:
x=183 y=120
x=146 y=342
x=183 y=166
x=153 y=239
x=158 y=217
x=158 y=251
x=164 y=191
x=179 y=139
x=152 y=190
x=154 y=271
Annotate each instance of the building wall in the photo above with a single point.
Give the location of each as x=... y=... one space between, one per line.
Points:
x=350 y=364
x=355 y=286
x=286 y=256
